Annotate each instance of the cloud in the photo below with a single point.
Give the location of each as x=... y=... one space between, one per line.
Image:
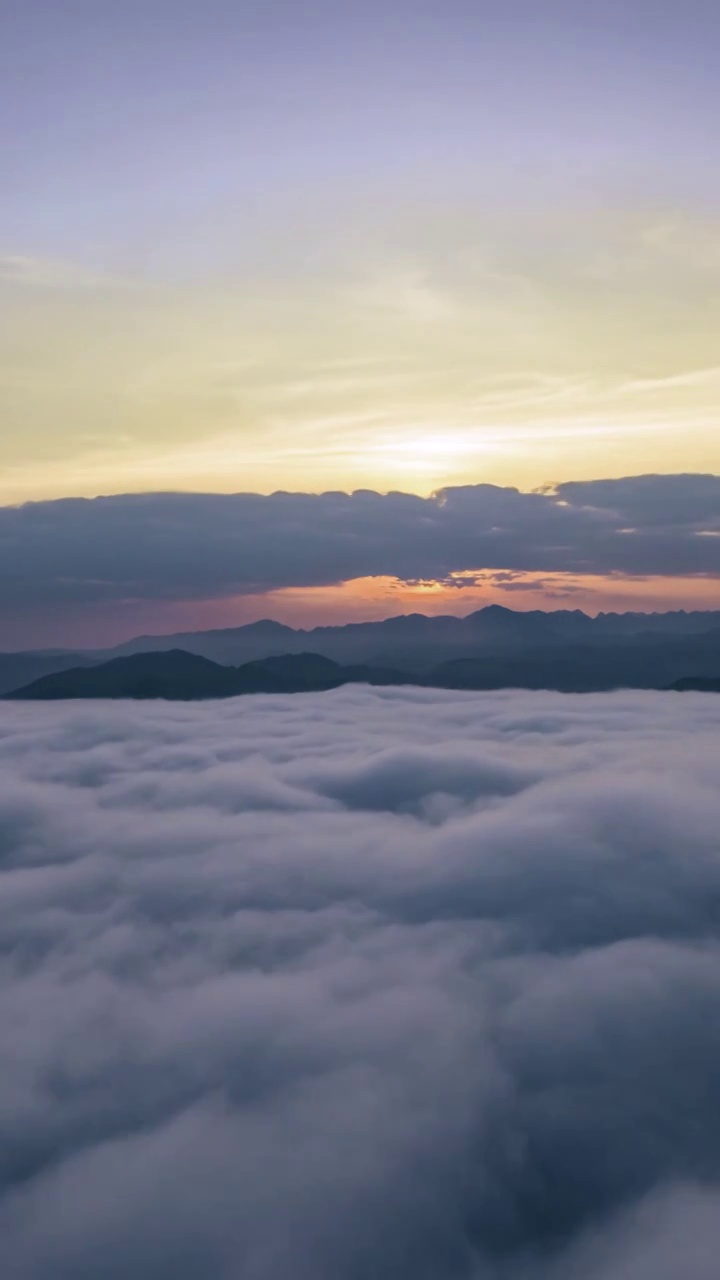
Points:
x=401 y=983
x=651 y=502
x=189 y=546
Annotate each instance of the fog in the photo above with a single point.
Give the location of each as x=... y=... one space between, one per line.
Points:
x=376 y=983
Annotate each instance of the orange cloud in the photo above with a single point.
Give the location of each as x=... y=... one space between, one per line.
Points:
x=372 y=598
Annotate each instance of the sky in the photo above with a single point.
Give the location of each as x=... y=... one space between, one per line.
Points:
x=258 y=247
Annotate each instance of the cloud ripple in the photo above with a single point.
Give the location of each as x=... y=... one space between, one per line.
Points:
x=394 y=983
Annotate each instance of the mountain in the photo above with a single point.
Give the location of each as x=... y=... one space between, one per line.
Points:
x=288 y=673
x=571 y=668
x=174 y=674
x=179 y=676
x=416 y=642
x=21 y=668
x=648 y=662
x=527 y=648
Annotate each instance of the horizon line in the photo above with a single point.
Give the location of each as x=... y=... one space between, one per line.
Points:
x=374 y=622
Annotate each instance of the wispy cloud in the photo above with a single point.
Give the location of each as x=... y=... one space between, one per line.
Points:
x=409 y=294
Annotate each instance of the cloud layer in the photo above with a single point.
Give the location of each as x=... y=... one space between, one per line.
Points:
x=394 y=983
x=194 y=546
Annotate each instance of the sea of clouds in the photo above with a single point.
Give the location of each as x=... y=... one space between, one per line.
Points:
x=367 y=985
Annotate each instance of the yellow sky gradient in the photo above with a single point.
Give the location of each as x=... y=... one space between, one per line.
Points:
x=251 y=248
x=520 y=354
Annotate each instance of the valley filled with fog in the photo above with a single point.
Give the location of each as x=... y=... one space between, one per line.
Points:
x=376 y=982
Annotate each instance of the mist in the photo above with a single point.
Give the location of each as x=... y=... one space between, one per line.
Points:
x=392 y=983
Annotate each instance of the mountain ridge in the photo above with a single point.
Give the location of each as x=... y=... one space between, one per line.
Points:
x=411 y=644
x=417 y=641
x=176 y=674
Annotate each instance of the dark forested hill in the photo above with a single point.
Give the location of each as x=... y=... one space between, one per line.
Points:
x=175 y=674
x=416 y=644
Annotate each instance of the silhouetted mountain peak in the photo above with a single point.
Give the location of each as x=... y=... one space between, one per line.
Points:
x=172 y=673
x=416 y=644
x=265 y=627
x=494 y=611
x=164 y=660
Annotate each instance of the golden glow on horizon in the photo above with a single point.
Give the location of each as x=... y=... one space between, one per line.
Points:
x=359 y=600
x=368 y=599
x=517 y=357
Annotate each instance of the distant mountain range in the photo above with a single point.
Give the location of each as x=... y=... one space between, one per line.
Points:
x=493 y=648
x=415 y=642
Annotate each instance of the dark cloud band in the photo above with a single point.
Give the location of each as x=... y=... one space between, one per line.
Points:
x=186 y=546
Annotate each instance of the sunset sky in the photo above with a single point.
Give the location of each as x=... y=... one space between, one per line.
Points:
x=404 y=245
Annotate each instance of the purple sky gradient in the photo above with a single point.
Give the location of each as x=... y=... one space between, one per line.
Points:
x=116 y=118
